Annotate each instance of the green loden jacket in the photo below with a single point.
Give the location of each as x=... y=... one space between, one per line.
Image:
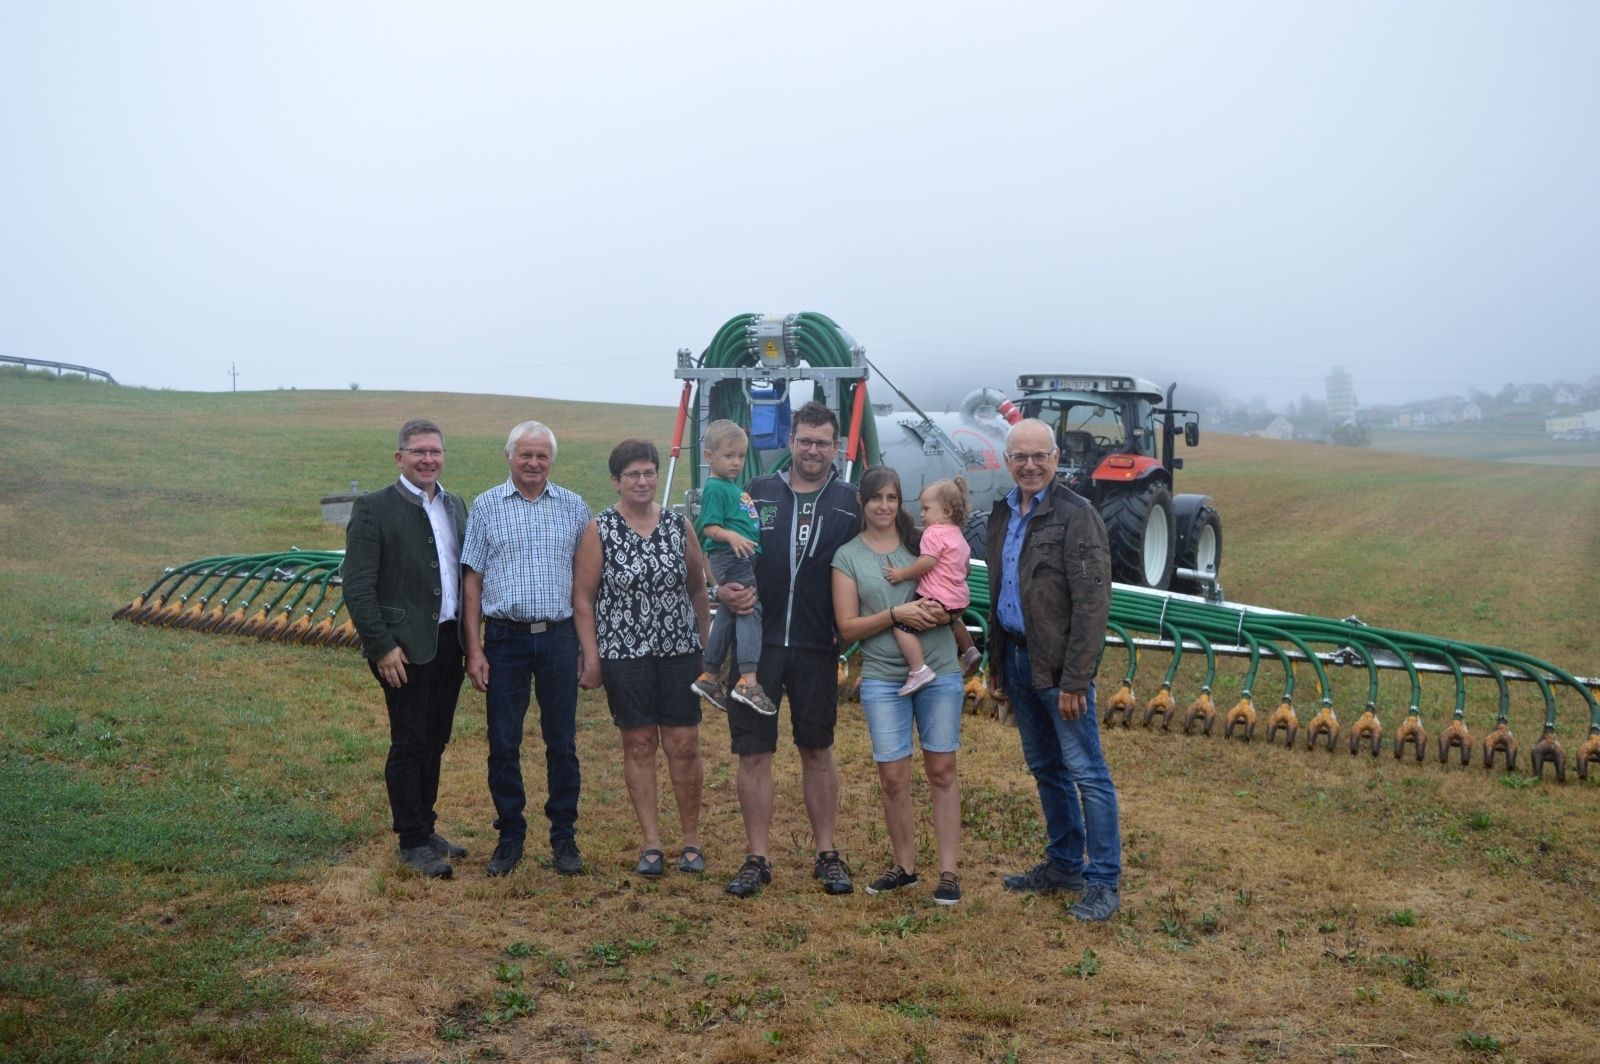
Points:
x=391 y=573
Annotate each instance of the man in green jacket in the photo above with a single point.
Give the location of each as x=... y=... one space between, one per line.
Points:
x=402 y=587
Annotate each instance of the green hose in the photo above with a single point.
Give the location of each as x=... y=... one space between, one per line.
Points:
x=819 y=342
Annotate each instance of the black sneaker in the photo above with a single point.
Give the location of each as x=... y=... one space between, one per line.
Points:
x=753 y=875
x=424 y=862
x=831 y=870
x=1044 y=878
x=1098 y=903
x=507 y=855
x=948 y=892
x=895 y=878
x=445 y=848
x=567 y=859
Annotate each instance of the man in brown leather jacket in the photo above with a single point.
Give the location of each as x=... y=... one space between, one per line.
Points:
x=402 y=587
x=1050 y=571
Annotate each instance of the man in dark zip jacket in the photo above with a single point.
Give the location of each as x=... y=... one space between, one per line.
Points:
x=805 y=514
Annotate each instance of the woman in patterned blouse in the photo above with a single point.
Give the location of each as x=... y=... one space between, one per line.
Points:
x=639 y=600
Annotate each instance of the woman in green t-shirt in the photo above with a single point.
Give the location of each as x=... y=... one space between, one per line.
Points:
x=866 y=607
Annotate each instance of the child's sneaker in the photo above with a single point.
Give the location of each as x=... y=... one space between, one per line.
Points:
x=917 y=681
x=971 y=658
x=753 y=696
x=949 y=890
x=712 y=691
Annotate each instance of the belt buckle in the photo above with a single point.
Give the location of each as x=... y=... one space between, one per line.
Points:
x=537 y=627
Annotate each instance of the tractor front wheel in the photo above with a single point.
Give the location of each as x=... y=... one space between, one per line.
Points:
x=1200 y=552
x=1143 y=534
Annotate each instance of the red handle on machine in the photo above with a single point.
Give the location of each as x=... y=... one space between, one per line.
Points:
x=860 y=401
x=683 y=415
x=677 y=443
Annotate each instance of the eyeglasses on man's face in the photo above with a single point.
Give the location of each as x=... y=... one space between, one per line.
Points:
x=1022 y=458
x=633 y=476
x=803 y=443
x=423 y=452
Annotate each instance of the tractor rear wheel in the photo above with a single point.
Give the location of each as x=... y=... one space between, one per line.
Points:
x=976 y=533
x=1143 y=535
x=1201 y=551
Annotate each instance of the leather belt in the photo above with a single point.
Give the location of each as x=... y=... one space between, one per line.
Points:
x=531 y=627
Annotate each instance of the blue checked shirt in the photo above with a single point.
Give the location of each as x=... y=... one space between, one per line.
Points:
x=524 y=551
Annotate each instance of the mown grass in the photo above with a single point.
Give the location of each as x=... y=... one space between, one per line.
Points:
x=201 y=866
x=1526 y=441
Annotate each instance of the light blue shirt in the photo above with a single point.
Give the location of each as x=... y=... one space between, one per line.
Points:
x=524 y=550
x=1008 y=607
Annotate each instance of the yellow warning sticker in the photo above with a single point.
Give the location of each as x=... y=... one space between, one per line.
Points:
x=772 y=349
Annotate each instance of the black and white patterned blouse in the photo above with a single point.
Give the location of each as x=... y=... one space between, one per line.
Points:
x=643 y=609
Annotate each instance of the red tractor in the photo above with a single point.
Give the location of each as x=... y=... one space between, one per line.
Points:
x=1116 y=435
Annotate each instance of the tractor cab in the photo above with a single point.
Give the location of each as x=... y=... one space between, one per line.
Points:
x=1110 y=429
x=1116 y=436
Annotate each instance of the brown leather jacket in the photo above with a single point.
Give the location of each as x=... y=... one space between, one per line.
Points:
x=1065 y=580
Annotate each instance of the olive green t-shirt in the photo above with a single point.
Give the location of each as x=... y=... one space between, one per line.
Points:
x=881 y=658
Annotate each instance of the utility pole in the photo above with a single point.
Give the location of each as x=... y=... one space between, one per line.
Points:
x=234 y=373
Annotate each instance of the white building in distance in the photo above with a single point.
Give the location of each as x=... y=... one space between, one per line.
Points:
x=1341 y=397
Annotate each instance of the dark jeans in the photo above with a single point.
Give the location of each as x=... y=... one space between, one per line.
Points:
x=549 y=660
x=421 y=714
x=1076 y=794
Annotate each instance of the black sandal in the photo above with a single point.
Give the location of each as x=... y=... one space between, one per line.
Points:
x=652 y=863
x=694 y=864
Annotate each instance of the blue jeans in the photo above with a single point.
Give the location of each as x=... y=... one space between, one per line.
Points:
x=1076 y=794
x=935 y=710
x=550 y=661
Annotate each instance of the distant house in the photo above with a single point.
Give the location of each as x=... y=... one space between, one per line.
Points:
x=1279 y=428
x=1379 y=416
x=1565 y=423
x=1568 y=395
x=1469 y=412
x=1444 y=410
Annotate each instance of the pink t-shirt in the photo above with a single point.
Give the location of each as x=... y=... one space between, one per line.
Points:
x=946 y=582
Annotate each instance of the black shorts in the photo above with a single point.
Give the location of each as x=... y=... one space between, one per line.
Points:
x=650 y=691
x=810 y=680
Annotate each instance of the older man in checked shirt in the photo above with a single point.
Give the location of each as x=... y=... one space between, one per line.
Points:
x=517 y=562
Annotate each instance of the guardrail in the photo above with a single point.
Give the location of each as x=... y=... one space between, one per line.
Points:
x=59 y=367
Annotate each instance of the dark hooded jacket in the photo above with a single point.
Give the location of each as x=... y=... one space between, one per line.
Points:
x=797 y=597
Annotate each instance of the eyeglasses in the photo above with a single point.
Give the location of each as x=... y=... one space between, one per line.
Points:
x=423 y=452
x=1021 y=458
x=636 y=475
x=803 y=444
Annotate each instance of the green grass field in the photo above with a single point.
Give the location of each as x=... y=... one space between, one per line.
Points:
x=199 y=864
x=1527 y=442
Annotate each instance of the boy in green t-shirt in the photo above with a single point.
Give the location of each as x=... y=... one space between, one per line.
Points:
x=730 y=533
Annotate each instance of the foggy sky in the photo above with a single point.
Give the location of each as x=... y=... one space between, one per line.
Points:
x=549 y=200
